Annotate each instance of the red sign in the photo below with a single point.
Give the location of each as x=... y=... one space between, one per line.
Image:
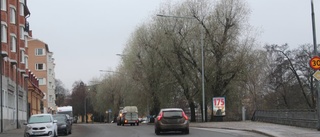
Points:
x=315 y=63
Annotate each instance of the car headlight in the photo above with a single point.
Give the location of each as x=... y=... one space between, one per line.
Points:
x=49 y=126
x=29 y=127
x=63 y=126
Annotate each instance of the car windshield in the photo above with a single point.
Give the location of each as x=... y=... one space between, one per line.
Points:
x=172 y=114
x=40 y=119
x=59 y=118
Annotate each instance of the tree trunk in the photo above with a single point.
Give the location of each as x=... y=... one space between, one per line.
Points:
x=192 y=109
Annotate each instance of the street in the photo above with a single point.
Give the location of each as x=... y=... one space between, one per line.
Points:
x=144 y=130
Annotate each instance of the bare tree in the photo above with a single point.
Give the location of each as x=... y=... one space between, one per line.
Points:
x=61 y=93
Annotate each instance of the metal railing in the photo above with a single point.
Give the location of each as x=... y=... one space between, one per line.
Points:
x=300 y=118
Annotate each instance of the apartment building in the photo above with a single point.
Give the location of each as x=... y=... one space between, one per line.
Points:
x=13 y=60
x=41 y=63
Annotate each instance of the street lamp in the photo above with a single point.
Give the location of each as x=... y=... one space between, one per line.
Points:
x=202 y=61
x=315 y=54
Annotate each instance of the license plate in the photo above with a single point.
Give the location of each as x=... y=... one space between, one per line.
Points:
x=37 y=133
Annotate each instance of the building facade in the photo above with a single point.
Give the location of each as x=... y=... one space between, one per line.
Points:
x=41 y=63
x=13 y=61
x=35 y=95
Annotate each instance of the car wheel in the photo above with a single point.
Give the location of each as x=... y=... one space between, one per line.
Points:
x=137 y=124
x=157 y=131
x=70 y=132
x=26 y=135
x=66 y=132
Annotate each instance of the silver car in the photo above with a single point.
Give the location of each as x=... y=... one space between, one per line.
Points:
x=171 y=119
x=41 y=125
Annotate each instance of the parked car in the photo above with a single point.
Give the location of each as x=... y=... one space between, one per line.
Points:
x=64 y=123
x=171 y=119
x=41 y=125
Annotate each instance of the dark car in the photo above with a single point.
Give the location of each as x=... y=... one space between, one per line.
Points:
x=63 y=123
x=171 y=119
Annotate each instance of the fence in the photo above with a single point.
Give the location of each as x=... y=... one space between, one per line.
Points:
x=300 y=118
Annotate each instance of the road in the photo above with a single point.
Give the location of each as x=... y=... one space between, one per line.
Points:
x=144 y=130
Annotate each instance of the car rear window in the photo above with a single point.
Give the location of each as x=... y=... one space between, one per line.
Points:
x=172 y=113
x=59 y=118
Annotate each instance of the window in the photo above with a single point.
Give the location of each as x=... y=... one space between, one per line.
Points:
x=22 y=56
x=26 y=61
x=13 y=43
x=50 y=98
x=42 y=81
x=4 y=5
x=22 y=32
x=25 y=41
x=4 y=33
x=10 y=102
x=12 y=15
x=40 y=52
x=21 y=9
x=40 y=67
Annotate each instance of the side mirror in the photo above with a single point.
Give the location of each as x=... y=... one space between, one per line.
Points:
x=25 y=123
x=55 y=121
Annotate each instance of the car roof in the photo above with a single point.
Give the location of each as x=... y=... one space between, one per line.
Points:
x=60 y=115
x=171 y=109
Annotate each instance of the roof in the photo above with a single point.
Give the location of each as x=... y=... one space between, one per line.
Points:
x=171 y=109
x=45 y=44
x=130 y=109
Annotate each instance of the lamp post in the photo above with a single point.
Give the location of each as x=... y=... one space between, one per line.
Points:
x=315 y=54
x=202 y=61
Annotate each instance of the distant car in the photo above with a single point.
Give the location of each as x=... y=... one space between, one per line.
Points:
x=171 y=119
x=120 y=117
x=41 y=125
x=64 y=123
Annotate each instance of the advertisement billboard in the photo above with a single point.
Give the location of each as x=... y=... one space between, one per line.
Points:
x=219 y=106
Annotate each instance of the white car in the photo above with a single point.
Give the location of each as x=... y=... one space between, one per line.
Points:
x=41 y=125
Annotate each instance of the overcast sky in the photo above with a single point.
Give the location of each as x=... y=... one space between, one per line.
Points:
x=86 y=35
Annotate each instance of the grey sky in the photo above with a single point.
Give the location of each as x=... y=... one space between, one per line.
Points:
x=86 y=35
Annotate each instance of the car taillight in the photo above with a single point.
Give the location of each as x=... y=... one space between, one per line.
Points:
x=185 y=116
x=160 y=116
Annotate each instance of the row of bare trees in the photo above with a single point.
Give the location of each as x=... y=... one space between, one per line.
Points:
x=161 y=65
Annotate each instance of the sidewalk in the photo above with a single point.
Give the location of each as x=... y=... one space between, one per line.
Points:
x=269 y=129
x=13 y=133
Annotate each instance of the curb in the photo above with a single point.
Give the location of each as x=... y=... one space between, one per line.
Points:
x=248 y=130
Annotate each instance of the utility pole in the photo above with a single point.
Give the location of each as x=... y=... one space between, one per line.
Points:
x=315 y=54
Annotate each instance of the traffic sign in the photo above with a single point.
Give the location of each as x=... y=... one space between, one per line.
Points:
x=316 y=75
x=315 y=63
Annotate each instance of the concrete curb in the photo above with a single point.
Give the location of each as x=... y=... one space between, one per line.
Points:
x=248 y=130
